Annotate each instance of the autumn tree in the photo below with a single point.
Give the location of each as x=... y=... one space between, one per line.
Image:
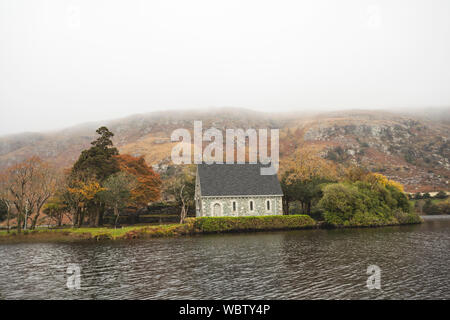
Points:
x=30 y=184
x=302 y=176
x=181 y=186
x=56 y=208
x=44 y=185
x=117 y=192
x=148 y=185
x=81 y=193
x=378 y=178
x=355 y=173
x=5 y=198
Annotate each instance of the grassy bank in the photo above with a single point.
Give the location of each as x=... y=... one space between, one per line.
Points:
x=192 y=226
x=94 y=234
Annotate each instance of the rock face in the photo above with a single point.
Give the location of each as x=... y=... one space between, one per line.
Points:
x=414 y=151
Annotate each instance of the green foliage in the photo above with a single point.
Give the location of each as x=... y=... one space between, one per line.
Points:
x=306 y=192
x=441 y=195
x=232 y=224
x=444 y=207
x=407 y=218
x=117 y=193
x=364 y=204
x=55 y=208
x=337 y=154
x=430 y=208
x=99 y=160
x=340 y=203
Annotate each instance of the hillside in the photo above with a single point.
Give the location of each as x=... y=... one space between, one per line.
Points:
x=407 y=148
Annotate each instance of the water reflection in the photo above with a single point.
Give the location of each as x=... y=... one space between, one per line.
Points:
x=309 y=264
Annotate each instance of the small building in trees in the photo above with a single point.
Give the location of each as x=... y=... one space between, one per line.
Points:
x=236 y=190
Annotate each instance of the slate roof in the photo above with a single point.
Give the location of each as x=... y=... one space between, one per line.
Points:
x=236 y=180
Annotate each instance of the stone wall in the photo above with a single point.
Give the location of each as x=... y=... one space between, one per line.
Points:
x=224 y=206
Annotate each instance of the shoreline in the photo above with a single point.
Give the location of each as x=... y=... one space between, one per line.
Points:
x=192 y=227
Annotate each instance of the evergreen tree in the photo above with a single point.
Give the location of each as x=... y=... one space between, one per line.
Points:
x=99 y=160
x=94 y=166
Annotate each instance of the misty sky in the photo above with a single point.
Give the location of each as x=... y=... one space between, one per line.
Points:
x=64 y=62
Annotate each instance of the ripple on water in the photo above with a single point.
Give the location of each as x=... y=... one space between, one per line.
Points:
x=309 y=264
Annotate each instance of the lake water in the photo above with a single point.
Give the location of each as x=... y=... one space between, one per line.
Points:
x=305 y=264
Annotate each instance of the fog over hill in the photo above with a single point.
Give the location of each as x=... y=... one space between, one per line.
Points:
x=411 y=147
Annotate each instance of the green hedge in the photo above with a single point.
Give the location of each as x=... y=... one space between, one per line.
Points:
x=230 y=224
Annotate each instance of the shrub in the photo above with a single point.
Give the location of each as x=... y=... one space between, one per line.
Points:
x=230 y=224
x=365 y=204
x=444 y=207
x=340 y=202
x=429 y=208
x=407 y=218
x=441 y=195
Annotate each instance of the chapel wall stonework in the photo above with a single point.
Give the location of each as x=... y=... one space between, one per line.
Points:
x=242 y=206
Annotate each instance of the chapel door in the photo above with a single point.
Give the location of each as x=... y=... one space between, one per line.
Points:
x=216 y=210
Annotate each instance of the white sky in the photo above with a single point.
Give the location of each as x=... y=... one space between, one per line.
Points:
x=64 y=62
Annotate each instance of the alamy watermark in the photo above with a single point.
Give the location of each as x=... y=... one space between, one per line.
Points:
x=74 y=279
x=374 y=280
x=213 y=152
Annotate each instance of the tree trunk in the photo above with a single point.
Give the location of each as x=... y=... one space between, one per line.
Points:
x=75 y=218
x=99 y=215
x=8 y=211
x=25 y=219
x=183 y=213
x=92 y=217
x=19 y=221
x=183 y=206
x=36 y=217
x=59 y=217
x=116 y=213
x=81 y=217
x=285 y=206
x=34 y=221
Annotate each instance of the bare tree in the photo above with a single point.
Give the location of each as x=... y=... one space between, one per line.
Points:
x=43 y=186
x=182 y=188
x=30 y=184
x=6 y=198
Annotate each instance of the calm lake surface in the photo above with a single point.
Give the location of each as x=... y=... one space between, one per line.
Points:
x=306 y=264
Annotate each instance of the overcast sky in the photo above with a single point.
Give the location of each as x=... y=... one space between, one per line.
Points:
x=64 y=62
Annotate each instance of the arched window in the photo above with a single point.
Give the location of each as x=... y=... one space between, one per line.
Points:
x=268 y=205
x=251 y=205
x=234 y=206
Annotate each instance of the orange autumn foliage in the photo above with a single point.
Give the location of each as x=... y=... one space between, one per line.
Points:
x=383 y=180
x=85 y=191
x=148 y=188
x=306 y=165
